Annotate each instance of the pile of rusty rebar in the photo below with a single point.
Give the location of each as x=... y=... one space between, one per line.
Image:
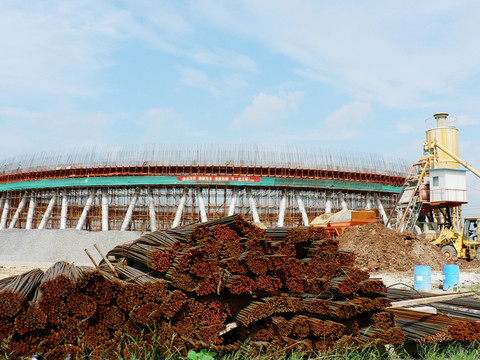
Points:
x=456 y=319
x=212 y=285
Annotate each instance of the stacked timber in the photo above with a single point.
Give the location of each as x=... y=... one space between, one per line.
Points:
x=212 y=285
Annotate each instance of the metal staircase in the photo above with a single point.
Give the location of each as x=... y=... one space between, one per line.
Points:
x=409 y=203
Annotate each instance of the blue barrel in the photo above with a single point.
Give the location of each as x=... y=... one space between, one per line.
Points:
x=423 y=278
x=451 y=275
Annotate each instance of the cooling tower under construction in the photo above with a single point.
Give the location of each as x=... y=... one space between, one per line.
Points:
x=145 y=188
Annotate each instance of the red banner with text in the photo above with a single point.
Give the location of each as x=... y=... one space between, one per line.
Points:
x=219 y=178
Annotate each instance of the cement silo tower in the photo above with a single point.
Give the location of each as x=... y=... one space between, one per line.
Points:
x=435 y=187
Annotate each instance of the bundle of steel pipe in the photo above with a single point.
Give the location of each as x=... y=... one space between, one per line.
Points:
x=16 y=291
x=219 y=283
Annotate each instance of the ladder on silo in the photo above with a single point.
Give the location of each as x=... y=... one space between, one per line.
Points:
x=409 y=203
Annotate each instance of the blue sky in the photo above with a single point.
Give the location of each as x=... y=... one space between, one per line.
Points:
x=361 y=76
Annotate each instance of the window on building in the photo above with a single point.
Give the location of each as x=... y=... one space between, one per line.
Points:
x=435 y=181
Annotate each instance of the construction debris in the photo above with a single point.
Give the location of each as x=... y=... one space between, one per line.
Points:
x=214 y=286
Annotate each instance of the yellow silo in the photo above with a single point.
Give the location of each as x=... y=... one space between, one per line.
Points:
x=446 y=134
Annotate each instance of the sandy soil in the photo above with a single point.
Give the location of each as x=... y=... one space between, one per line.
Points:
x=469 y=280
x=383 y=250
x=16 y=268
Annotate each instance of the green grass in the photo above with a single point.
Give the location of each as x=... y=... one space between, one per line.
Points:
x=450 y=351
x=475 y=288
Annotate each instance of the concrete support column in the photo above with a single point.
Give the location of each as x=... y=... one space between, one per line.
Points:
x=131 y=207
x=201 y=206
x=64 y=211
x=301 y=207
x=253 y=207
x=181 y=206
x=17 y=213
x=31 y=212
x=328 y=205
x=86 y=209
x=231 y=209
x=440 y=217
x=344 y=203
x=104 y=209
x=283 y=207
x=151 y=210
x=381 y=210
x=368 y=206
x=6 y=209
x=46 y=216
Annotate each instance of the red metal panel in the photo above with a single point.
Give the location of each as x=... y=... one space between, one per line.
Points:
x=173 y=170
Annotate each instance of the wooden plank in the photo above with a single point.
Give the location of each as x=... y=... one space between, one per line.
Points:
x=114 y=271
x=229 y=327
x=430 y=299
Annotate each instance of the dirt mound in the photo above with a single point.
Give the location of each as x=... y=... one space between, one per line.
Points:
x=379 y=248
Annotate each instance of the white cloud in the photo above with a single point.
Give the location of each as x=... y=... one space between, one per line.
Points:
x=350 y=114
x=266 y=109
x=49 y=48
x=60 y=47
x=396 y=54
x=220 y=58
x=27 y=131
x=406 y=128
x=158 y=119
x=34 y=132
x=197 y=79
x=343 y=123
x=160 y=124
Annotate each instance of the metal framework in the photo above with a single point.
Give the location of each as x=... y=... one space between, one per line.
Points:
x=145 y=190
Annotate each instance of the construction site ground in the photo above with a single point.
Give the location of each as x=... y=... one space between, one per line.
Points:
x=228 y=280
x=385 y=253
x=392 y=257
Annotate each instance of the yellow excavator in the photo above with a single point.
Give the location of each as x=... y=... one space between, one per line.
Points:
x=462 y=244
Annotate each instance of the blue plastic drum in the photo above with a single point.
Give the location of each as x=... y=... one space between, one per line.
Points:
x=451 y=274
x=423 y=278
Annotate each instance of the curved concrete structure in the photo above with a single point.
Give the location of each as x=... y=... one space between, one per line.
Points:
x=167 y=186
